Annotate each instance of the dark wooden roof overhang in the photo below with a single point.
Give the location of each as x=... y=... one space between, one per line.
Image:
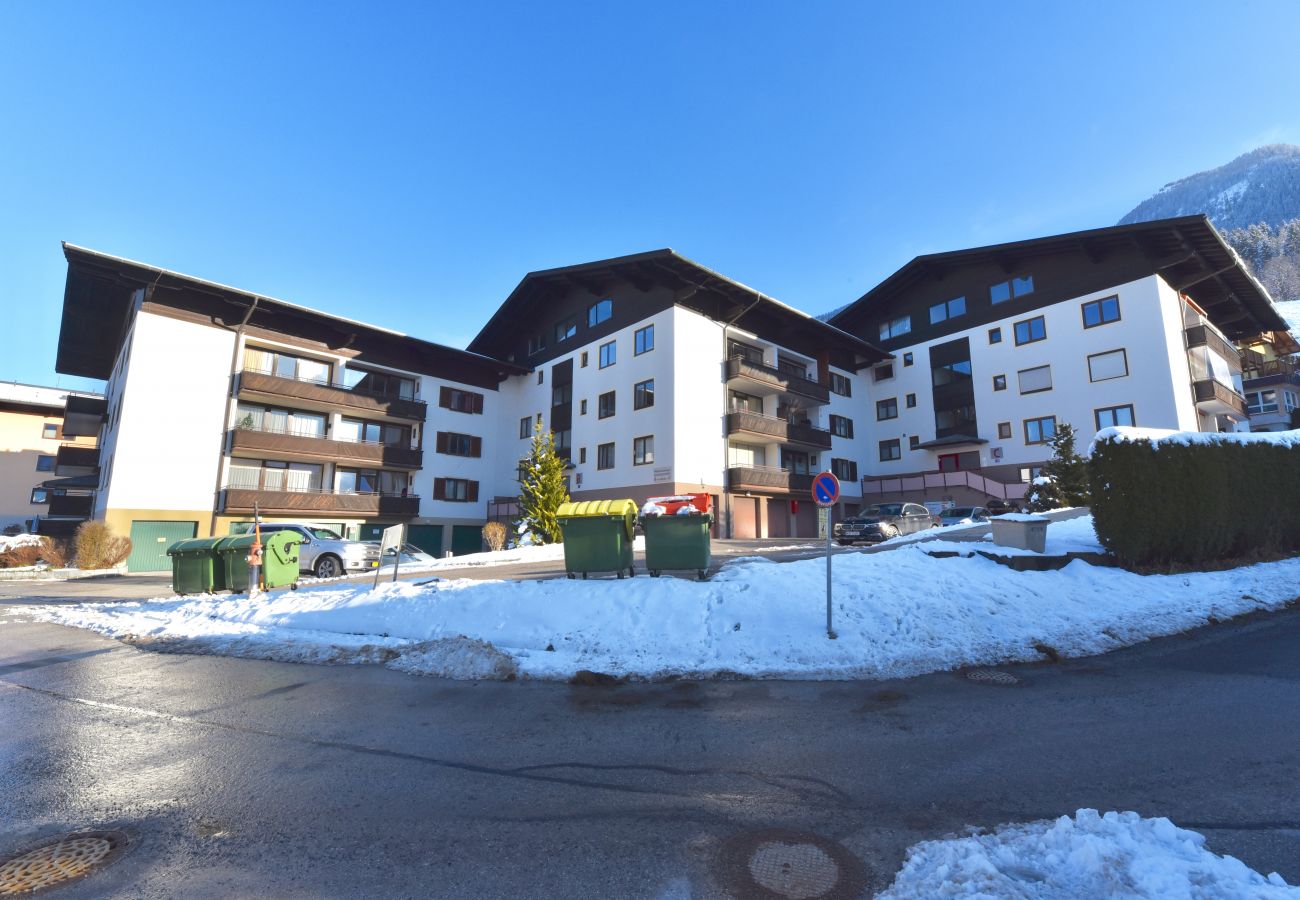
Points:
x=1187 y=252
x=97 y=308
x=694 y=286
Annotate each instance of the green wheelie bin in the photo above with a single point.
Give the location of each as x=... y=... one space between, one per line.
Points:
x=279 y=560
x=598 y=536
x=678 y=542
x=194 y=566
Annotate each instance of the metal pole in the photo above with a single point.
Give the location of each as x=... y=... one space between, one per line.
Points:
x=830 y=632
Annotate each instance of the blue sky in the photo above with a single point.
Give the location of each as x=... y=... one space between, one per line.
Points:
x=407 y=164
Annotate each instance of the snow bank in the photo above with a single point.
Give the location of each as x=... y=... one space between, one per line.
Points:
x=1119 y=854
x=1077 y=535
x=19 y=540
x=1160 y=437
x=897 y=614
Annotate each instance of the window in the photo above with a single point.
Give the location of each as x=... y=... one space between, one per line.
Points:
x=599 y=311
x=269 y=362
x=364 y=481
x=1004 y=431
x=914 y=442
x=384 y=384
x=536 y=344
x=1041 y=430
x=798 y=462
x=40 y=495
x=840 y=384
x=539 y=376
x=1029 y=473
x=949 y=309
x=1034 y=380
x=464 y=401
x=841 y=427
x=884 y=372
x=563 y=442
x=643 y=394
x=890 y=450
x=526 y=427
x=582 y=407
x=999 y=382
x=582 y=360
x=605 y=456
x=605 y=405
x=844 y=469
x=895 y=327
x=995 y=335
x=907 y=360
x=607 y=355
x=1016 y=287
x=50 y=430
x=566 y=329
x=455 y=490
x=1261 y=402
x=561 y=394
x=746 y=403
x=454 y=444
x=1110 y=416
x=250 y=417
x=1105 y=366
x=1030 y=330
x=910 y=400
x=359 y=431
x=582 y=455
x=44 y=463
x=887 y=409
x=643 y=340
x=643 y=450
x=1099 y=312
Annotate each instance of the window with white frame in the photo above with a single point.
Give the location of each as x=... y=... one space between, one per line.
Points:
x=643 y=450
x=1036 y=379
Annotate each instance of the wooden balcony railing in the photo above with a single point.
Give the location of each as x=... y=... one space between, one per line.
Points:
x=71 y=506
x=252 y=381
x=764 y=479
x=779 y=429
x=319 y=448
x=787 y=382
x=239 y=501
x=1216 y=397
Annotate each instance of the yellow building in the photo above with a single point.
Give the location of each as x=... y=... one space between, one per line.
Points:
x=45 y=485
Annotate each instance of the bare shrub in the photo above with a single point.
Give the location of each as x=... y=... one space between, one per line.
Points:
x=56 y=553
x=494 y=534
x=98 y=548
x=24 y=555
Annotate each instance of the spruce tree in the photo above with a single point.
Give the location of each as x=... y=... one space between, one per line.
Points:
x=542 y=488
x=1065 y=474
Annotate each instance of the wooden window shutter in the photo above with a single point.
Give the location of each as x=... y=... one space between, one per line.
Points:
x=440 y=442
x=471 y=491
x=478 y=403
x=444 y=397
x=439 y=488
x=476 y=446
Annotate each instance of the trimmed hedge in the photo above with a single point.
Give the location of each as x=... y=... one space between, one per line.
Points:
x=1191 y=498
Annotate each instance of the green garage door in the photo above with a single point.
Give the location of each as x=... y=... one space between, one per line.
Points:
x=466 y=539
x=149 y=543
x=427 y=537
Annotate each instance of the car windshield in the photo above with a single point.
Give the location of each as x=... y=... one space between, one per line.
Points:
x=885 y=509
x=960 y=512
x=325 y=534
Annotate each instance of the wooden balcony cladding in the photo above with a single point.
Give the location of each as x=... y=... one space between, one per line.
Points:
x=252 y=382
x=316 y=448
x=240 y=501
x=1204 y=336
x=1218 y=398
x=73 y=459
x=764 y=480
x=71 y=505
x=742 y=422
x=786 y=382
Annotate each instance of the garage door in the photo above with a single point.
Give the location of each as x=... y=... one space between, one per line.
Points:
x=744 y=518
x=149 y=543
x=427 y=537
x=466 y=539
x=778 y=518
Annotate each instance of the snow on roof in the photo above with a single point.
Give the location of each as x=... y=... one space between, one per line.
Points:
x=1161 y=437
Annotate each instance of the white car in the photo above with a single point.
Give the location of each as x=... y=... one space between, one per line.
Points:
x=326 y=553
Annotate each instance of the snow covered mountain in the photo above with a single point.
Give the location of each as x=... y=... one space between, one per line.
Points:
x=1262 y=186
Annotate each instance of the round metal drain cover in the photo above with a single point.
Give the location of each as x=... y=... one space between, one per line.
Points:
x=60 y=861
x=790 y=865
x=992 y=676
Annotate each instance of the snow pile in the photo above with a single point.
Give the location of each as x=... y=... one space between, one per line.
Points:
x=1119 y=854
x=1160 y=437
x=1077 y=535
x=19 y=540
x=897 y=614
x=1018 y=517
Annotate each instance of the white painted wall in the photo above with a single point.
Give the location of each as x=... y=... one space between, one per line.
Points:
x=490 y=426
x=697 y=396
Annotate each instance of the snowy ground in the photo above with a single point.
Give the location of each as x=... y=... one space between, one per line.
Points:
x=1067 y=536
x=1089 y=855
x=897 y=614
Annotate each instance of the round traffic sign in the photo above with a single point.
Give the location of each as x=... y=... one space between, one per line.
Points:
x=825 y=489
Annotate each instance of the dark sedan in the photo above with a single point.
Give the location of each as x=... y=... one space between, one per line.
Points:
x=882 y=522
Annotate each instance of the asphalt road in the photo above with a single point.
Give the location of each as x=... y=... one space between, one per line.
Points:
x=250 y=778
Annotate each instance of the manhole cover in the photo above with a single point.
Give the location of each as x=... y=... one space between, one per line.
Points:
x=991 y=676
x=790 y=865
x=54 y=864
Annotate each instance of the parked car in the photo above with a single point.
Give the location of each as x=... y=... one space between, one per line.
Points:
x=964 y=515
x=998 y=507
x=326 y=553
x=883 y=521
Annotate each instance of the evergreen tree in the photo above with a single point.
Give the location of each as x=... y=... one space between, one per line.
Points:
x=1064 y=478
x=542 y=488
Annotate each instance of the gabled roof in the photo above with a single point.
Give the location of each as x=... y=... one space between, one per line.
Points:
x=695 y=287
x=1187 y=252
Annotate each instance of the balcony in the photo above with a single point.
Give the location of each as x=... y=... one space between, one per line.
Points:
x=767 y=480
x=769 y=380
x=773 y=428
x=83 y=416
x=71 y=506
x=1218 y=399
x=240 y=501
x=75 y=459
x=272 y=444
x=320 y=395
x=1256 y=369
x=1205 y=336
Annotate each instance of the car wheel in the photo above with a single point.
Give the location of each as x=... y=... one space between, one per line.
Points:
x=329 y=567
x=891 y=533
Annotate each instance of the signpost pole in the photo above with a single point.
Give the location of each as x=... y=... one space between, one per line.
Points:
x=830 y=632
x=825 y=492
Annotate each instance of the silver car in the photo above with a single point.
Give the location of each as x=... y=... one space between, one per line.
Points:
x=326 y=553
x=882 y=522
x=964 y=515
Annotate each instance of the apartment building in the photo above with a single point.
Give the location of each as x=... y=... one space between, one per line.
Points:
x=994 y=346
x=1271 y=380
x=45 y=484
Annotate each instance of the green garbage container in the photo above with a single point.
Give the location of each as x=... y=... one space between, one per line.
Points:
x=678 y=542
x=598 y=536
x=194 y=566
x=279 y=560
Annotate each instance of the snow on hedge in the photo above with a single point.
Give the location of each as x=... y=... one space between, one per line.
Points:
x=1119 y=854
x=19 y=540
x=898 y=614
x=1159 y=437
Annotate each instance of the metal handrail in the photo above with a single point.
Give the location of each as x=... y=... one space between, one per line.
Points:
x=286 y=489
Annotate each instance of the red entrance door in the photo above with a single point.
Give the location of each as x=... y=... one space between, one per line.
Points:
x=949 y=462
